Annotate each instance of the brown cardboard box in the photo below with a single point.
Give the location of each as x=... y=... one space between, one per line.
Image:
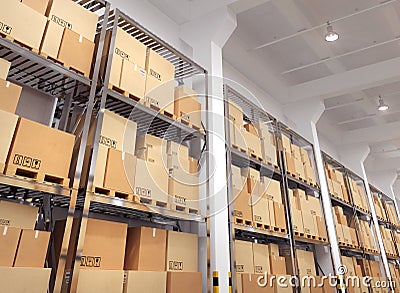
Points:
x=18 y=215
x=314 y=205
x=295 y=152
x=244 y=262
x=160 y=82
x=29 y=154
x=4 y=68
x=177 y=157
x=100 y=281
x=251 y=129
x=247 y=283
x=183 y=191
x=238 y=180
x=32 y=249
x=186 y=105
x=235 y=114
x=9 y=96
x=286 y=144
x=261 y=258
x=273 y=249
x=346 y=234
x=278 y=265
x=260 y=209
x=242 y=204
x=182 y=252
x=342 y=219
x=9 y=238
x=73 y=16
x=139 y=282
x=321 y=227
x=133 y=78
x=305 y=262
x=253 y=177
x=337 y=189
x=38 y=5
x=71 y=43
x=297 y=220
x=184 y=282
x=305 y=158
x=269 y=150
x=375 y=269
x=145 y=249
x=236 y=136
x=290 y=163
x=8 y=122
x=299 y=168
x=52 y=38
x=309 y=223
x=120 y=171
x=153 y=149
x=19 y=280
x=104 y=247
x=253 y=143
x=151 y=182
x=309 y=173
x=22 y=23
x=339 y=232
x=273 y=189
x=280 y=219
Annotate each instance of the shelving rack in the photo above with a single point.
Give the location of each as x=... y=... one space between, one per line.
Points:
x=253 y=113
x=29 y=69
x=148 y=121
x=356 y=214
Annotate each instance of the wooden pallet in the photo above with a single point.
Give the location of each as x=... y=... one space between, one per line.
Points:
x=153 y=202
x=66 y=65
x=115 y=193
x=322 y=239
x=161 y=111
x=123 y=92
x=11 y=39
x=188 y=124
x=279 y=230
x=363 y=209
x=37 y=176
x=243 y=222
x=239 y=149
x=272 y=165
x=299 y=234
x=350 y=245
x=254 y=156
x=184 y=209
x=262 y=226
x=312 y=184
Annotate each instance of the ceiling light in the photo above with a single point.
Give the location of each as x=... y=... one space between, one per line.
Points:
x=382 y=106
x=331 y=35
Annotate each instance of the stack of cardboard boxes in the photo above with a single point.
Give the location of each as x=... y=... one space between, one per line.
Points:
x=22 y=151
x=183 y=185
x=358 y=195
x=360 y=268
x=395 y=274
x=252 y=260
x=397 y=240
x=388 y=242
x=298 y=161
x=366 y=236
x=268 y=144
x=336 y=184
x=187 y=107
x=307 y=215
x=393 y=218
x=23 y=250
x=345 y=228
x=152 y=260
x=380 y=211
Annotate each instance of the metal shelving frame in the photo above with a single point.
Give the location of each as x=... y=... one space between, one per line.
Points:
x=253 y=113
x=148 y=121
x=29 y=69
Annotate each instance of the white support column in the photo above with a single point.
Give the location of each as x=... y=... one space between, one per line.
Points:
x=207 y=36
x=354 y=156
x=306 y=114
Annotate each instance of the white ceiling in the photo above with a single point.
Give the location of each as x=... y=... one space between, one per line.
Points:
x=279 y=45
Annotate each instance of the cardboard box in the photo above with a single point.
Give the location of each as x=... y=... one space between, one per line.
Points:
x=4 y=68
x=100 y=281
x=273 y=189
x=280 y=218
x=9 y=238
x=104 y=247
x=314 y=205
x=305 y=262
x=261 y=258
x=182 y=252
x=269 y=151
x=309 y=223
x=153 y=149
x=71 y=15
x=187 y=106
x=253 y=143
x=297 y=220
x=8 y=122
x=299 y=168
x=273 y=249
x=309 y=173
x=244 y=262
x=305 y=158
x=296 y=152
x=238 y=181
x=253 y=177
x=22 y=23
x=38 y=5
x=339 y=232
x=20 y=280
x=52 y=38
x=9 y=96
x=242 y=204
x=337 y=189
x=321 y=227
x=32 y=249
x=184 y=191
x=18 y=215
x=184 y=282
x=252 y=129
x=375 y=269
x=160 y=82
x=151 y=183
x=278 y=265
x=133 y=79
x=346 y=234
x=71 y=43
x=145 y=249
x=29 y=154
x=260 y=209
x=139 y=282
x=290 y=163
x=178 y=157
x=286 y=144
x=237 y=137
x=120 y=171
x=235 y=114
